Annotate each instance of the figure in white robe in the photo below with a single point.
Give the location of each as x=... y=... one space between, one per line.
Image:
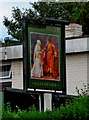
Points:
x=37 y=70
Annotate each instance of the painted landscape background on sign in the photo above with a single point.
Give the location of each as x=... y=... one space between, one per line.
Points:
x=45 y=53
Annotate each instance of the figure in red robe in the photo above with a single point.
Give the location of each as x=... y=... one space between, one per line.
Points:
x=49 y=59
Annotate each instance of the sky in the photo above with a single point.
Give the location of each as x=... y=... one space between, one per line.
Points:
x=6 y=10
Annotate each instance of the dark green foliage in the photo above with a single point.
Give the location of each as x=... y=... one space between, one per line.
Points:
x=76 y=109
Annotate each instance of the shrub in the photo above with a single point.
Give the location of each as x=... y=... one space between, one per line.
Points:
x=76 y=109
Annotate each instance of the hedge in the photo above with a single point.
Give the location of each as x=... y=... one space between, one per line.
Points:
x=77 y=109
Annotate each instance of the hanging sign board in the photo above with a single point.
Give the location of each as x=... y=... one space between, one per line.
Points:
x=44 y=49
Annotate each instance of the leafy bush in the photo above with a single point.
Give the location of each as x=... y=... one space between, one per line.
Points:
x=76 y=109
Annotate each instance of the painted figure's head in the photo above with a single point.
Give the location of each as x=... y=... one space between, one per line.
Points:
x=38 y=41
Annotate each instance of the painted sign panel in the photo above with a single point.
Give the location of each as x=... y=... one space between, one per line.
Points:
x=44 y=58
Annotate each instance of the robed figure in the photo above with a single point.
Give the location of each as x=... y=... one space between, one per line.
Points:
x=37 y=70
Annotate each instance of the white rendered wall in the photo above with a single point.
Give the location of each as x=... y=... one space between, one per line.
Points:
x=76 y=72
x=17 y=74
x=77 y=64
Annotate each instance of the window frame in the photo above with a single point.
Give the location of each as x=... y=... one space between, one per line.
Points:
x=10 y=72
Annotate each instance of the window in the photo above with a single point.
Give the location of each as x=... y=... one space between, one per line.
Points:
x=5 y=71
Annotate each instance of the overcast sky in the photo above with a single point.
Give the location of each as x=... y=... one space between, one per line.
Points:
x=6 y=10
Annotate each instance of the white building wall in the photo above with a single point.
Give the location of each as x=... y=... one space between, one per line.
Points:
x=77 y=64
x=76 y=72
x=17 y=74
x=88 y=71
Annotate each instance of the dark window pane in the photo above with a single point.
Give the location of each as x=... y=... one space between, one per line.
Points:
x=5 y=71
